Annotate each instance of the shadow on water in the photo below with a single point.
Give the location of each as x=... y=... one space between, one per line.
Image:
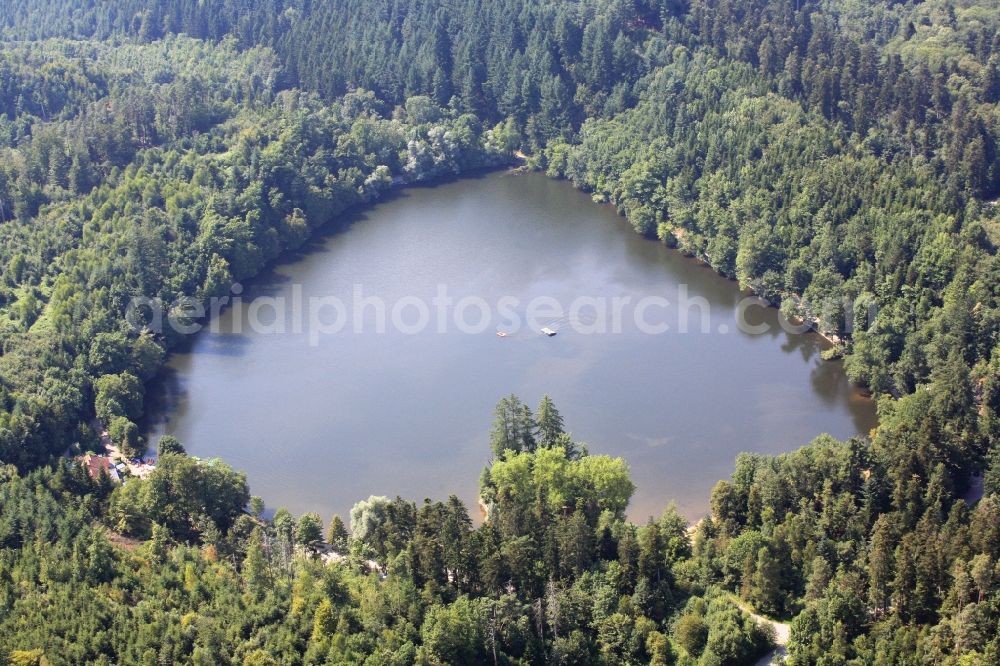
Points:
x=271 y=279
x=224 y=344
x=831 y=385
x=808 y=344
x=165 y=398
x=828 y=382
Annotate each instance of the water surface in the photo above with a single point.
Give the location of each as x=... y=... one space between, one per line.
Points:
x=318 y=427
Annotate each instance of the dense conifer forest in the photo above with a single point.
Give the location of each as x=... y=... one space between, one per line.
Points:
x=839 y=158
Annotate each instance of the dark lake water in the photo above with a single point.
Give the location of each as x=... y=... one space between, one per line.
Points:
x=320 y=426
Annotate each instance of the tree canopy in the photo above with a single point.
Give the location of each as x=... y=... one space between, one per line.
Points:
x=838 y=158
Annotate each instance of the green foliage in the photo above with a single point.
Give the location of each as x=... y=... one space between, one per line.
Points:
x=838 y=158
x=692 y=633
x=192 y=499
x=309 y=531
x=513 y=427
x=597 y=482
x=452 y=634
x=336 y=534
x=170 y=444
x=216 y=174
x=548 y=422
x=125 y=435
x=117 y=396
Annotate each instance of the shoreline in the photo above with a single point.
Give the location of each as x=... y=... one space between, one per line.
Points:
x=343 y=221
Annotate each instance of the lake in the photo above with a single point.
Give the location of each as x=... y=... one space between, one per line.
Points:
x=320 y=419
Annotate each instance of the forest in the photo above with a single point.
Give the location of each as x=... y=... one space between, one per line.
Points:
x=840 y=159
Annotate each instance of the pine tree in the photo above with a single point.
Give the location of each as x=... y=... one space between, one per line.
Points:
x=766 y=592
x=513 y=427
x=990 y=81
x=336 y=534
x=58 y=167
x=880 y=565
x=549 y=421
x=256 y=574
x=79 y=178
x=324 y=621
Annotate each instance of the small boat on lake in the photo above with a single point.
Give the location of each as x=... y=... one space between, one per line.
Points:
x=548 y=331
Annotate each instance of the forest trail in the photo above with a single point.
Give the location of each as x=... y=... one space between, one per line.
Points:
x=782 y=633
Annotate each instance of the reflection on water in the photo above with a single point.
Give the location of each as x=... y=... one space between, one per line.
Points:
x=319 y=427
